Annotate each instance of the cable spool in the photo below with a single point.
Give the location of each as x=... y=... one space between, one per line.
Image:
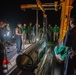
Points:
x=24 y=62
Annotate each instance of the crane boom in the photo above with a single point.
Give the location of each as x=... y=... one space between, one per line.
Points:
x=65 y=16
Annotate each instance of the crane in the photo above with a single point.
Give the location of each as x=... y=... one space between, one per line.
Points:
x=66 y=6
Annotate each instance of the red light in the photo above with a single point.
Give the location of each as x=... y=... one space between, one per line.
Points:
x=5 y=61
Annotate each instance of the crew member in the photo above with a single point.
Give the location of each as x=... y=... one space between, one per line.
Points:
x=30 y=32
x=70 y=41
x=1 y=49
x=56 y=32
x=18 y=32
x=24 y=32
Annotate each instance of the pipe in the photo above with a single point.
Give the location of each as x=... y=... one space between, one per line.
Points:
x=28 y=60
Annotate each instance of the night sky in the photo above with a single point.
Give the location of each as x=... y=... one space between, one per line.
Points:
x=11 y=12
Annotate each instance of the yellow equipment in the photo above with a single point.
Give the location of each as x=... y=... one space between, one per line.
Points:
x=65 y=16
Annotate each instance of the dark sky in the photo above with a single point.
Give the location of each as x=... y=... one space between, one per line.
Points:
x=11 y=12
